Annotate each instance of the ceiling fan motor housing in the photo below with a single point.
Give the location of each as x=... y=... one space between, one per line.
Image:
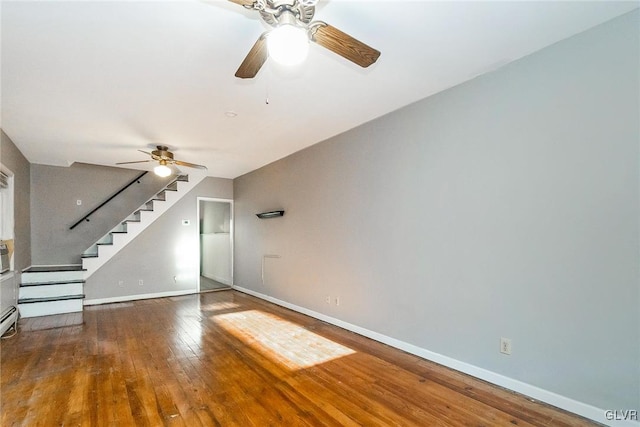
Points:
x=162 y=153
x=286 y=12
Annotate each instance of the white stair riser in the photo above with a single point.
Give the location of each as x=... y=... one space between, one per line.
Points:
x=51 y=276
x=119 y=227
x=106 y=250
x=37 y=309
x=92 y=250
x=105 y=239
x=48 y=291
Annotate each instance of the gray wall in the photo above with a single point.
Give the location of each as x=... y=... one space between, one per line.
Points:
x=13 y=159
x=54 y=193
x=164 y=251
x=505 y=207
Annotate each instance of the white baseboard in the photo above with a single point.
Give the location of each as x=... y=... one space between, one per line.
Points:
x=534 y=392
x=124 y=298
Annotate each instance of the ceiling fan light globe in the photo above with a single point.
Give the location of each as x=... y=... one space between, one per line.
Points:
x=288 y=44
x=162 y=171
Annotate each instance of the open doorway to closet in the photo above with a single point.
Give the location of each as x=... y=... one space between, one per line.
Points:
x=215 y=226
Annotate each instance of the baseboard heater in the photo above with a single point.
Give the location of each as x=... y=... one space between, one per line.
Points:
x=9 y=318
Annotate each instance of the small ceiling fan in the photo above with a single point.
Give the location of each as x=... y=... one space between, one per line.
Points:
x=164 y=157
x=291 y=30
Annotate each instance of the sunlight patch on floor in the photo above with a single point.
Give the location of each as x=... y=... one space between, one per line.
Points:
x=283 y=341
x=220 y=306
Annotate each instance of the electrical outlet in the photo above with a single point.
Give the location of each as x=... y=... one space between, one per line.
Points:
x=505 y=346
x=121 y=283
x=141 y=282
x=79 y=202
x=337 y=300
x=327 y=299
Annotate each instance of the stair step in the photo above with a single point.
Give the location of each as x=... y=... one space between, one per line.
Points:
x=106 y=239
x=47 y=291
x=50 y=299
x=40 y=274
x=51 y=268
x=91 y=252
x=94 y=255
x=49 y=306
x=120 y=228
x=142 y=210
x=62 y=282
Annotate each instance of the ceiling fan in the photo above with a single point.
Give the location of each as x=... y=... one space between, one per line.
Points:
x=291 y=30
x=164 y=157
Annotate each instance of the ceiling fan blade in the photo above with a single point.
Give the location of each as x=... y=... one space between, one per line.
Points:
x=344 y=45
x=189 y=165
x=254 y=59
x=128 y=163
x=145 y=152
x=243 y=2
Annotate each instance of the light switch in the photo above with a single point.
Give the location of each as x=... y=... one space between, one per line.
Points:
x=78 y=202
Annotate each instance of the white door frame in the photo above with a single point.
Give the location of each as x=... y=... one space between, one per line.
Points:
x=231 y=226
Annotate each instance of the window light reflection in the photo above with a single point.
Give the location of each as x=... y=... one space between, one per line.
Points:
x=283 y=341
x=186 y=261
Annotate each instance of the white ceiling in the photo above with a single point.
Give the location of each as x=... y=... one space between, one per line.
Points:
x=93 y=81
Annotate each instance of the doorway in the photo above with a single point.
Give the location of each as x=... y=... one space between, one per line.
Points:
x=215 y=228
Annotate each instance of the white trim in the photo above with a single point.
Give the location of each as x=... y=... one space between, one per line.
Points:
x=124 y=298
x=532 y=391
x=214 y=199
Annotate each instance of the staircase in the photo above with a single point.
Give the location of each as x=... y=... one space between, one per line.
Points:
x=49 y=290
x=46 y=290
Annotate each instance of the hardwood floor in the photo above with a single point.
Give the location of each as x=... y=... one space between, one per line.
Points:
x=225 y=359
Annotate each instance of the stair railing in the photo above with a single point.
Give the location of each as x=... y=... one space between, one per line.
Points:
x=86 y=217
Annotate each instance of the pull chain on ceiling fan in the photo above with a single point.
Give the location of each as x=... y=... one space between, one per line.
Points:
x=291 y=22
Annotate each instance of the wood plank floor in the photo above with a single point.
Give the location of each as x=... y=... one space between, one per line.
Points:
x=226 y=359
